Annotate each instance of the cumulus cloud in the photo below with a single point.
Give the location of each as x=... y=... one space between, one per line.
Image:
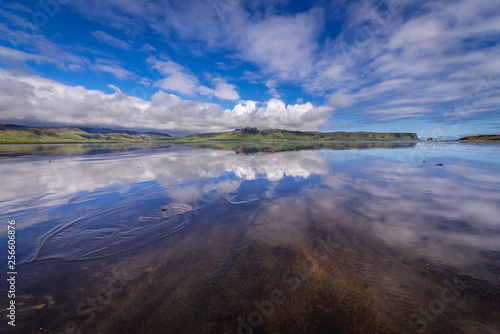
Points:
x=276 y=114
x=394 y=59
x=29 y=99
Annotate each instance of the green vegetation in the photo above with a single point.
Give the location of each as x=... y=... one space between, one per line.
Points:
x=273 y=147
x=253 y=134
x=17 y=134
x=481 y=138
x=20 y=134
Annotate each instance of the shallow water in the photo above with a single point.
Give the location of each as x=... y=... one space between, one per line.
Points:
x=262 y=238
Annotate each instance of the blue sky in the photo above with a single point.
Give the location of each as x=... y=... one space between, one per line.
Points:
x=430 y=67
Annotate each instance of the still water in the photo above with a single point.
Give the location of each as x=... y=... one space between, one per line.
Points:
x=264 y=238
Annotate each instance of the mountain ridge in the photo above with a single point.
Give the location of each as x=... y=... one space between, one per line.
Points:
x=14 y=133
x=481 y=138
x=287 y=135
x=20 y=133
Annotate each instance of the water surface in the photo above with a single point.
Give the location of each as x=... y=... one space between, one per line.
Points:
x=255 y=238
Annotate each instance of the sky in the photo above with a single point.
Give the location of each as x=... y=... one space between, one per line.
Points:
x=178 y=67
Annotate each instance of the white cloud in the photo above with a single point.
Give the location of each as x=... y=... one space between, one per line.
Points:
x=415 y=65
x=124 y=16
x=284 y=45
x=18 y=20
x=271 y=85
x=116 y=89
x=18 y=7
x=75 y=67
x=414 y=59
x=340 y=99
x=20 y=55
x=147 y=48
x=38 y=49
x=276 y=114
x=112 y=67
x=105 y=38
x=251 y=77
x=179 y=79
x=29 y=99
x=224 y=90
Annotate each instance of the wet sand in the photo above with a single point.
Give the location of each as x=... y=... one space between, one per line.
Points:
x=239 y=272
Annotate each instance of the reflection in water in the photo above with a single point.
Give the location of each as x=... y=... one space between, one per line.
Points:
x=284 y=238
x=87 y=238
x=92 y=149
x=75 y=149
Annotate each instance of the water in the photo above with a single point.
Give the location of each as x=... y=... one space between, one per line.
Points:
x=263 y=238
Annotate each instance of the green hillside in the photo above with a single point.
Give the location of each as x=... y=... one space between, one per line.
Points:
x=253 y=134
x=481 y=138
x=10 y=133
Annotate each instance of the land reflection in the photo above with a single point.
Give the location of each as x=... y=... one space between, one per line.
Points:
x=100 y=148
x=285 y=239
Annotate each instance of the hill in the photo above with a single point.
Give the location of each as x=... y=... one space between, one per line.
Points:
x=129 y=132
x=253 y=134
x=15 y=133
x=481 y=137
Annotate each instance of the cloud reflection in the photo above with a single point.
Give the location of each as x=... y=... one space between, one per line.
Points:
x=449 y=212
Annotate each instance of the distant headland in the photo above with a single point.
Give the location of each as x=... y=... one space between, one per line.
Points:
x=22 y=134
x=481 y=138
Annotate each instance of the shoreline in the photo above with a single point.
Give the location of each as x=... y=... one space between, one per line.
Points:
x=220 y=142
x=238 y=142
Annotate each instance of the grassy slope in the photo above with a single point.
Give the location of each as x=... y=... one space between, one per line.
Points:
x=21 y=134
x=480 y=138
x=252 y=134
